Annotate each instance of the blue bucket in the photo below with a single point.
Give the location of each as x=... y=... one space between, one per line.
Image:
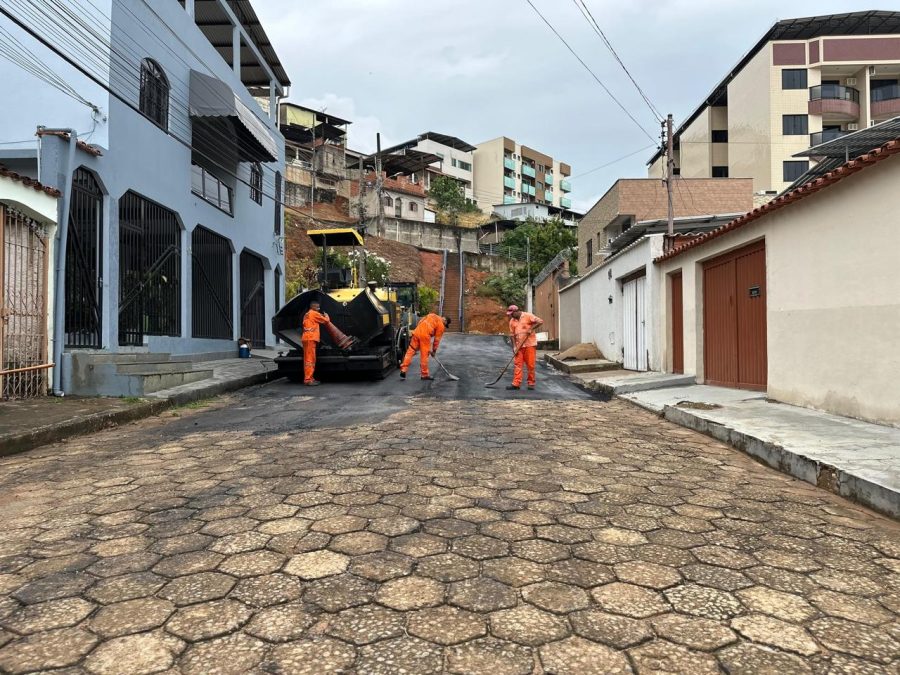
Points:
x=244 y=351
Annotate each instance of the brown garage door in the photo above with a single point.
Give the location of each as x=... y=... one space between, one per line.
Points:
x=734 y=318
x=677 y=325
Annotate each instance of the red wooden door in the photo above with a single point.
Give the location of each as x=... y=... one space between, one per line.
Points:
x=677 y=325
x=734 y=318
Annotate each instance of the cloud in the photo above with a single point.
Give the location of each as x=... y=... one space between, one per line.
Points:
x=361 y=133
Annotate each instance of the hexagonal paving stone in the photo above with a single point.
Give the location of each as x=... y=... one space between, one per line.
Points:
x=50 y=649
x=381 y=566
x=188 y=563
x=479 y=547
x=450 y=528
x=482 y=595
x=785 y=606
x=60 y=585
x=746 y=657
x=181 y=544
x=208 y=620
x=339 y=592
x=660 y=656
x=446 y=625
x=252 y=563
x=540 y=551
x=266 y=590
x=134 y=654
x=241 y=543
x=556 y=597
x=846 y=582
x=724 y=557
x=502 y=529
x=856 y=639
x=367 y=624
x=418 y=545
x=282 y=623
x=717 y=577
x=236 y=653
x=339 y=524
x=317 y=564
x=489 y=656
x=126 y=587
x=647 y=574
x=400 y=655
x=562 y=534
x=514 y=571
x=394 y=526
x=620 y=537
x=124 y=564
x=851 y=607
x=131 y=616
x=582 y=573
x=313 y=656
x=611 y=629
x=410 y=593
x=629 y=600
x=197 y=588
x=702 y=601
x=528 y=625
x=775 y=633
x=358 y=543
x=577 y=656
x=447 y=567
x=48 y=615
x=693 y=632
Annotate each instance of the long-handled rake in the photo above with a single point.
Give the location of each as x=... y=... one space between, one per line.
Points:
x=453 y=377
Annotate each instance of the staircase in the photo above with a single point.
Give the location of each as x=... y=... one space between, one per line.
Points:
x=134 y=373
x=452 y=280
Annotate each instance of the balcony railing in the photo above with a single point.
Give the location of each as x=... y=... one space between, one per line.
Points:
x=509 y=181
x=548 y=178
x=824 y=136
x=528 y=171
x=527 y=189
x=509 y=199
x=509 y=163
x=548 y=195
x=565 y=202
x=565 y=185
x=888 y=93
x=833 y=92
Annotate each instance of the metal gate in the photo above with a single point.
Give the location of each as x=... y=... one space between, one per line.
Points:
x=84 y=257
x=677 y=324
x=211 y=308
x=23 y=306
x=149 y=270
x=253 y=299
x=734 y=319
x=633 y=335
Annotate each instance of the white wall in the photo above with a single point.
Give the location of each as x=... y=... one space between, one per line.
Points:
x=833 y=297
x=569 y=316
x=449 y=154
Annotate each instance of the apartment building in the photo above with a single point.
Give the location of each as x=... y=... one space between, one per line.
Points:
x=507 y=172
x=171 y=208
x=806 y=81
x=454 y=158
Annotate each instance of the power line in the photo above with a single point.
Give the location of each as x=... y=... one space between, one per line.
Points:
x=593 y=74
x=615 y=161
x=586 y=13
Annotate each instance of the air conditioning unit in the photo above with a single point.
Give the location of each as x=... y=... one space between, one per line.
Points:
x=853 y=126
x=850 y=81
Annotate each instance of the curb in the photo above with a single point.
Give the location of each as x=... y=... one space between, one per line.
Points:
x=574 y=368
x=13 y=445
x=775 y=456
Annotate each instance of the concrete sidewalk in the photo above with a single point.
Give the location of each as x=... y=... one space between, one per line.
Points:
x=855 y=459
x=28 y=424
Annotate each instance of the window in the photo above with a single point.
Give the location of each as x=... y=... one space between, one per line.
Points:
x=794 y=169
x=793 y=78
x=210 y=188
x=465 y=166
x=720 y=135
x=590 y=252
x=453 y=162
x=720 y=172
x=154 y=101
x=413 y=207
x=795 y=125
x=256 y=183
x=388 y=201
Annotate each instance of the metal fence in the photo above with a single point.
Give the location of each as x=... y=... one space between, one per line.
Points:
x=211 y=287
x=253 y=299
x=84 y=255
x=23 y=306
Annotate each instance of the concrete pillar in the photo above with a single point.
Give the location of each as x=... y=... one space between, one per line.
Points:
x=273 y=101
x=189 y=7
x=236 y=50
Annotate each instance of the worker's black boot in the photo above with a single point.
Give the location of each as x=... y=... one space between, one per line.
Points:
x=512 y=387
x=402 y=375
x=427 y=377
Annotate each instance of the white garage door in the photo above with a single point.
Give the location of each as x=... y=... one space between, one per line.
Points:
x=633 y=334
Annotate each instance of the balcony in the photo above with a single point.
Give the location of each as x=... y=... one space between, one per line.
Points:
x=834 y=102
x=528 y=171
x=509 y=181
x=548 y=178
x=527 y=189
x=886 y=102
x=565 y=185
x=509 y=163
x=509 y=199
x=824 y=136
x=565 y=202
x=548 y=195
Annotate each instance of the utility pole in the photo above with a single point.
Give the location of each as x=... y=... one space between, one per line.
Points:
x=312 y=193
x=361 y=210
x=528 y=299
x=670 y=173
x=379 y=186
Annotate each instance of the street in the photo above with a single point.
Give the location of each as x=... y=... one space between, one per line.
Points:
x=426 y=527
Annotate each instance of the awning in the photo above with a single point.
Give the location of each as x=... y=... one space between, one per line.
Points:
x=339 y=236
x=216 y=108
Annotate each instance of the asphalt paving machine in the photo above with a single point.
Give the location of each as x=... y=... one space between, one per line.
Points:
x=374 y=323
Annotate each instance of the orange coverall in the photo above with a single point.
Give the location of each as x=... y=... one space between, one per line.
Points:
x=430 y=326
x=311 y=336
x=527 y=355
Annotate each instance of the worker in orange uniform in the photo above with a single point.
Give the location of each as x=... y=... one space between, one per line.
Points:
x=430 y=326
x=311 y=322
x=522 y=326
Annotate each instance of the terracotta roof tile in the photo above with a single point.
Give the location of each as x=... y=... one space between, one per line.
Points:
x=81 y=145
x=29 y=182
x=830 y=178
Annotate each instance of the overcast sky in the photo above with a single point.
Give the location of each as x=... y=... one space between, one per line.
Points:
x=479 y=69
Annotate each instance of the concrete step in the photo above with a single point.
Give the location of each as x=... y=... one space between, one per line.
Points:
x=585 y=366
x=154 y=381
x=149 y=367
x=98 y=358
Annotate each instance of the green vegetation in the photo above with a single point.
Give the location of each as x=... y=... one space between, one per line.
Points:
x=450 y=199
x=428 y=300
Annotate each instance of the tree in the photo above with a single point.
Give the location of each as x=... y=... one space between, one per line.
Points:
x=545 y=240
x=449 y=198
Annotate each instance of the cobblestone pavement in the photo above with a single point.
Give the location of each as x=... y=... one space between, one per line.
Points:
x=460 y=536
